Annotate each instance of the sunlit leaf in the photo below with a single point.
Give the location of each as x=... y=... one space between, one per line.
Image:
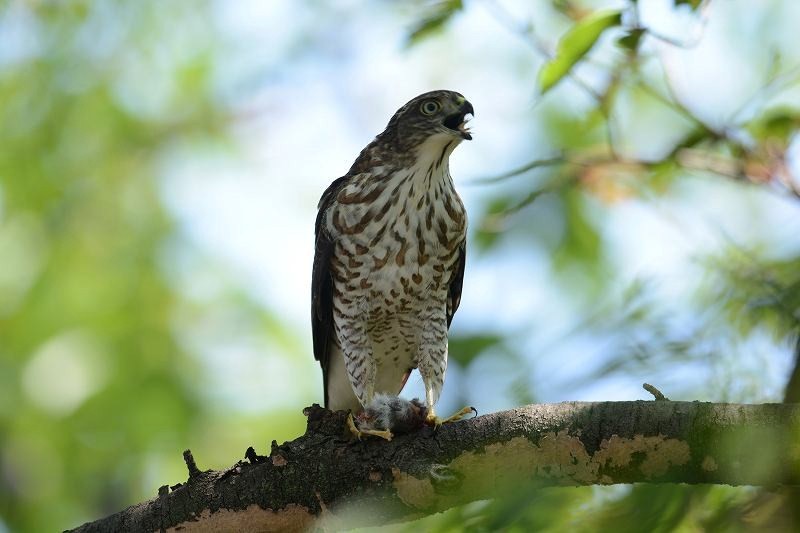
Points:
x=694 y=4
x=692 y=139
x=767 y=294
x=778 y=124
x=574 y=45
x=87 y=312
x=631 y=39
x=465 y=349
x=438 y=15
x=581 y=242
x=491 y=226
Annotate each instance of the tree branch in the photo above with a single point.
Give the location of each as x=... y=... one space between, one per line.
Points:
x=322 y=478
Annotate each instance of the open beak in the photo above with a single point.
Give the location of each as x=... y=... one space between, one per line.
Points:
x=458 y=121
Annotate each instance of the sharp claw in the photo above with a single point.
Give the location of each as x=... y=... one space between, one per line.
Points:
x=358 y=433
x=351 y=425
x=435 y=421
x=384 y=434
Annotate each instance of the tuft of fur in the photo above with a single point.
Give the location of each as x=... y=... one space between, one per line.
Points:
x=394 y=413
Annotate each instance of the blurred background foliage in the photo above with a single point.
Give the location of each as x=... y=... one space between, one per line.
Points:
x=634 y=195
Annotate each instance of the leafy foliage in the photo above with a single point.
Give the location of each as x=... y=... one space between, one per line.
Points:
x=467 y=347
x=99 y=390
x=699 y=341
x=694 y=4
x=437 y=16
x=757 y=293
x=98 y=396
x=575 y=44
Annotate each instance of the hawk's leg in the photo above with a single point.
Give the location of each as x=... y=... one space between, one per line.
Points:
x=433 y=367
x=361 y=368
x=358 y=359
x=432 y=361
x=435 y=421
x=464 y=411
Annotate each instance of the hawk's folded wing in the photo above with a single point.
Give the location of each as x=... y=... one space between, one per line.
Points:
x=322 y=284
x=454 y=292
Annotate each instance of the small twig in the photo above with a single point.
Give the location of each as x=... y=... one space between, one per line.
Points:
x=507 y=20
x=190 y=464
x=676 y=105
x=698 y=30
x=785 y=177
x=529 y=36
x=672 y=40
x=536 y=163
x=702 y=161
x=659 y=397
x=605 y=106
x=536 y=193
x=775 y=83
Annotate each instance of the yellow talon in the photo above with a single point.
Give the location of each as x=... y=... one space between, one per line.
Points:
x=435 y=421
x=384 y=434
x=351 y=425
x=358 y=433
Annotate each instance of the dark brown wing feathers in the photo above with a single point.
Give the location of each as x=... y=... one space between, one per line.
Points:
x=454 y=293
x=322 y=284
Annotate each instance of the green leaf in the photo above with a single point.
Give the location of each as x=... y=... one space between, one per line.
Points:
x=489 y=229
x=465 y=348
x=694 y=4
x=437 y=17
x=778 y=124
x=690 y=140
x=582 y=242
x=574 y=45
x=631 y=39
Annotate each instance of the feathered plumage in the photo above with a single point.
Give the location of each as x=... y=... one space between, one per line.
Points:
x=389 y=258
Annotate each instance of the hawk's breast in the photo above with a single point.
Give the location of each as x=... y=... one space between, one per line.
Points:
x=398 y=239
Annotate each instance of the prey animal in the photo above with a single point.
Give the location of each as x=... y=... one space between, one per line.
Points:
x=389 y=260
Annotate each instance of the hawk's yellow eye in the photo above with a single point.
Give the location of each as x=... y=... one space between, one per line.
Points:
x=429 y=107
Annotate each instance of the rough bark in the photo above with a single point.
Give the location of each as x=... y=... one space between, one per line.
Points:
x=323 y=477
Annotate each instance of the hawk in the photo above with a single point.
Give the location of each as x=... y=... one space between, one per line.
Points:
x=389 y=258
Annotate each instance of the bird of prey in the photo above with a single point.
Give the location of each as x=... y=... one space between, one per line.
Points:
x=389 y=258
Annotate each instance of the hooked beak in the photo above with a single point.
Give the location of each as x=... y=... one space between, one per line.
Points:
x=458 y=121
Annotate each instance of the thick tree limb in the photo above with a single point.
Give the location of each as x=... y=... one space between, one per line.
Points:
x=322 y=476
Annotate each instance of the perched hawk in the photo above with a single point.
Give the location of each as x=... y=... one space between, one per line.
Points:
x=389 y=258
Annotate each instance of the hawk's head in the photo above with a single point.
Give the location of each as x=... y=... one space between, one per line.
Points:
x=437 y=113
